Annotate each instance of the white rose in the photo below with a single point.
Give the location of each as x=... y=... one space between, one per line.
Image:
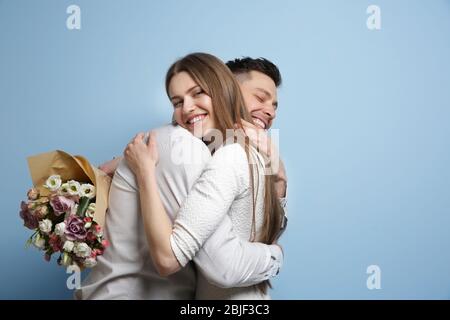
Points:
x=74 y=187
x=73 y=211
x=53 y=182
x=87 y=190
x=90 y=262
x=68 y=246
x=90 y=210
x=82 y=250
x=60 y=228
x=39 y=242
x=45 y=226
x=66 y=260
x=64 y=190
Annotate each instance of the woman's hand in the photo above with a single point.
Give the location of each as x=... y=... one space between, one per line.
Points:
x=142 y=157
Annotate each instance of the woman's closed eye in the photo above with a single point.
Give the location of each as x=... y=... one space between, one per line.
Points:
x=177 y=104
x=198 y=92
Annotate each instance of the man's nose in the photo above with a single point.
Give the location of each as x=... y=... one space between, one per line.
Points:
x=269 y=111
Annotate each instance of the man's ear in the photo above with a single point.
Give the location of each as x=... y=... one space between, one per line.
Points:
x=242 y=77
x=174 y=122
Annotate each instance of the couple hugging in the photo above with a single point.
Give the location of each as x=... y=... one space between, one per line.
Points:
x=203 y=229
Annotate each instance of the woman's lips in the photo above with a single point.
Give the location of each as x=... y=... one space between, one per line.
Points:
x=194 y=119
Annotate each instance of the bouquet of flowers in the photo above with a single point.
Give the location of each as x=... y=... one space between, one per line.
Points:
x=67 y=211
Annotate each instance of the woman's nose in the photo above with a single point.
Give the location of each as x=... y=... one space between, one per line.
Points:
x=188 y=105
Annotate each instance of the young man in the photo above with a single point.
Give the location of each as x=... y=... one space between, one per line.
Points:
x=126 y=271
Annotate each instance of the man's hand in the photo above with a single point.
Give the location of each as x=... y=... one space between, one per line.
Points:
x=110 y=167
x=260 y=139
x=281 y=181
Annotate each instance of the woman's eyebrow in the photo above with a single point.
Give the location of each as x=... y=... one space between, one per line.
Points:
x=187 y=91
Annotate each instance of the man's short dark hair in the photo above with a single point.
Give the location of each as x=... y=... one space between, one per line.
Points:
x=247 y=64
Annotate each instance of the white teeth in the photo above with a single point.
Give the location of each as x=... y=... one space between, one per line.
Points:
x=259 y=123
x=196 y=119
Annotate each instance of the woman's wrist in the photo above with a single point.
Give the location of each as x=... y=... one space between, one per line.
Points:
x=144 y=176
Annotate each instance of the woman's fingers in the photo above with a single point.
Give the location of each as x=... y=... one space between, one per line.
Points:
x=151 y=138
x=152 y=147
x=139 y=137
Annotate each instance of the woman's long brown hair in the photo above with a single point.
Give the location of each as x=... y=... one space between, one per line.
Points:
x=218 y=82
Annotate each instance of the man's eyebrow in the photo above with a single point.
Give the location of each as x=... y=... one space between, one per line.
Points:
x=267 y=93
x=187 y=91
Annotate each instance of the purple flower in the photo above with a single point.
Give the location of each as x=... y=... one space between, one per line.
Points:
x=29 y=220
x=61 y=204
x=75 y=228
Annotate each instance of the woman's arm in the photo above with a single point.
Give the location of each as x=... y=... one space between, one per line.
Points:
x=157 y=225
x=142 y=158
x=228 y=261
x=208 y=202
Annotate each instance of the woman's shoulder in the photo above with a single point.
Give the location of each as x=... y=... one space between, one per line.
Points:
x=230 y=154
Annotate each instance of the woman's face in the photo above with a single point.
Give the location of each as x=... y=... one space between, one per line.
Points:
x=192 y=106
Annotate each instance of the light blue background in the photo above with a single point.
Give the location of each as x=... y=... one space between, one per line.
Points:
x=364 y=122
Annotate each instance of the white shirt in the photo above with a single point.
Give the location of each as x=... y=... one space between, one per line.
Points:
x=126 y=271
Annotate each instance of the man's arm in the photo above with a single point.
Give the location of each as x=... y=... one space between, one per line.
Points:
x=228 y=261
x=110 y=166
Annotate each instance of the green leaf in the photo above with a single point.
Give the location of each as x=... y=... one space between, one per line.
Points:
x=82 y=206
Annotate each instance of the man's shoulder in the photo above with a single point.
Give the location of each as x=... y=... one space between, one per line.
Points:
x=170 y=128
x=170 y=134
x=180 y=147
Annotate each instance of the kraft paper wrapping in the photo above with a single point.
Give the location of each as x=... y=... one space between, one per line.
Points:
x=71 y=168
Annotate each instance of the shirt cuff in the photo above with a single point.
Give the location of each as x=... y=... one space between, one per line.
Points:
x=276 y=260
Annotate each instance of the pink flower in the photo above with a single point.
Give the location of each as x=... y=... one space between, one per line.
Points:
x=41 y=211
x=61 y=204
x=91 y=236
x=29 y=220
x=33 y=194
x=55 y=242
x=105 y=243
x=75 y=228
x=96 y=252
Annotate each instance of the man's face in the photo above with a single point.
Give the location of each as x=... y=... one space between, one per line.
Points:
x=260 y=97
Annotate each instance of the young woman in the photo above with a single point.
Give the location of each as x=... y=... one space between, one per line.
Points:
x=207 y=100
